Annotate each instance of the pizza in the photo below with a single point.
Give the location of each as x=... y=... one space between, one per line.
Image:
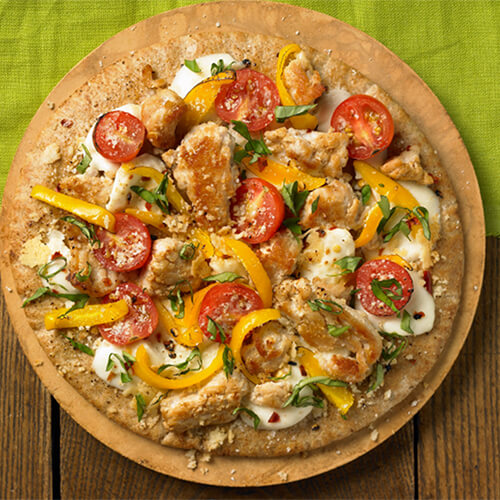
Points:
x=231 y=243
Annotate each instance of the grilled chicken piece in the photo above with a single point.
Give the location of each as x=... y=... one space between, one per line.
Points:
x=349 y=357
x=268 y=349
x=211 y=404
x=302 y=80
x=317 y=153
x=273 y=394
x=161 y=114
x=101 y=280
x=203 y=169
x=279 y=255
x=166 y=268
x=407 y=167
x=337 y=206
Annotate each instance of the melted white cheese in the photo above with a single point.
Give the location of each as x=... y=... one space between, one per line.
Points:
x=55 y=243
x=185 y=79
x=99 y=163
x=327 y=104
x=124 y=181
x=289 y=416
x=319 y=257
x=421 y=302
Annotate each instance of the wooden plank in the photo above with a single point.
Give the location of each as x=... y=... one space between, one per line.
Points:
x=90 y=470
x=458 y=453
x=25 y=411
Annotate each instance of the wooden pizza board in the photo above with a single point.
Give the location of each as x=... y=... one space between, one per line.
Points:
x=379 y=65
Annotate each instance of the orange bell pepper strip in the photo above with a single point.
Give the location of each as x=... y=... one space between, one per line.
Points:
x=384 y=186
x=397 y=259
x=86 y=211
x=201 y=98
x=254 y=268
x=150 y=218
x=277 y=173
x=244 y=326
x=306 y=121
x=91 y=315
x=142 y=369
x=341 y=397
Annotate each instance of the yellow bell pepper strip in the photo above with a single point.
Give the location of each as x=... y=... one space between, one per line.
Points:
x=143 y=370
x=341 y=397
x=306 y=121
x=151 y=218
x=244 y=326
x=86 y=211
x=203 y=238
x=96 y=314
x=397 y=259
x=201 y=98
x=277 y=173
x=254 y=268
x=384 y=186
x=173 y=196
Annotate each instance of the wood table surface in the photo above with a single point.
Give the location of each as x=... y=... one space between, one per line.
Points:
x=449 y=450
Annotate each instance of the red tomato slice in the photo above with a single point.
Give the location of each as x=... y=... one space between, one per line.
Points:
x=128 y=248
x=119 y=136
x=140 y=321
x=226 y=304
x=383 y=270
x=258 y=210
x=367 y=122
x=250 y=99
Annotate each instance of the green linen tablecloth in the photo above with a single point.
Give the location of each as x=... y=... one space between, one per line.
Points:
x=454 y=45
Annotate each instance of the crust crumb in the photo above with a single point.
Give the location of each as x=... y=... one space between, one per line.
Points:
x=283 y=475
x=192 y=462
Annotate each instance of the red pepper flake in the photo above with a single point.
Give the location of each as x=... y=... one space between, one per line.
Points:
x=419 y=315
x=435 y=178
x=428 y=281
x=56 y=255
x=274 y=418
x=262 y=163
x=65 y=122
x=303 y=371
x=411 y=222
x=148 y=206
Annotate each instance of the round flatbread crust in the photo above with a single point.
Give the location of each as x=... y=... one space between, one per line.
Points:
x=53 y=159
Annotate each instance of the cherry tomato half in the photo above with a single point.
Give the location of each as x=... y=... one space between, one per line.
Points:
x=127 y=249
x=367 y=122
x=250 y=99
x=119 y=136
x=394 y=280
x=226 y=304
x=140 y=321
x=258 y=210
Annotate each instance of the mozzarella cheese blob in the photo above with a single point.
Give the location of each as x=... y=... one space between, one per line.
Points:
x=185 y=79
x=288 y=417
x=327 y=104
x=99 y=163
x=124 y=180
x=420 y=307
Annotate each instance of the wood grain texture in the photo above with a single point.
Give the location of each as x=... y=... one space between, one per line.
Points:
x=458 y=452
x=25 y=437
x=91 y=470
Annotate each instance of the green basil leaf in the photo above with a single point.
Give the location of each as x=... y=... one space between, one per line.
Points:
x=85 y=161
x=314 y=205
x=318 y=304
x=422 y=215
x=84 y=277
x=192 y=65
x=254 y=147
x=378 y=378
x=213 y=327
x=87 y=231
x=337 y=331
x=44 y=271
x=296 y=400
x=366 y=193
x=82 y=347
x=293 y=198
x=38 y=293
x=385 y=206
x=140 y=405
x=283 y=112
x=286 y=375
x=223 y=277
x=405 y=322
x=188 y=251
x=292 y=223
x=146 y=195
x=348 y=264
x=239 y=155
x=184 y=366
x=380 y=293
x=255 y=417
x=228 y=361
x=80 y=301
x=219 y=67
x=397 y=345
